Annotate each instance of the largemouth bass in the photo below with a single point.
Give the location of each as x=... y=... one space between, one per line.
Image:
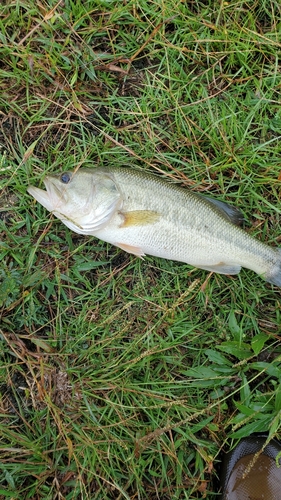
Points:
x=145 y=214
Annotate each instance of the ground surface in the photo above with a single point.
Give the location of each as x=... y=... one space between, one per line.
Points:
x=122 y=378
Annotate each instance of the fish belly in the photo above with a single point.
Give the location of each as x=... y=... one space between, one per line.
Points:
x=174 y=243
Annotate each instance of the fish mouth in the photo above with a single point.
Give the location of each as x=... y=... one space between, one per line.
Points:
x=52 y=198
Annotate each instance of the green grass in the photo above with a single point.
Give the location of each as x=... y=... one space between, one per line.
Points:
x=121 y=378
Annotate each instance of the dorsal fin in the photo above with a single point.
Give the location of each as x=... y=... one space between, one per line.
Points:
x=231 y=213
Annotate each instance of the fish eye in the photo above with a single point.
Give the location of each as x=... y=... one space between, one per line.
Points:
x=65 y=178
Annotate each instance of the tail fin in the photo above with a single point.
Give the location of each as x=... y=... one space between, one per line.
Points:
x=274 y=275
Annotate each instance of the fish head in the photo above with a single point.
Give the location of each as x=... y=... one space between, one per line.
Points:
x=84 y=200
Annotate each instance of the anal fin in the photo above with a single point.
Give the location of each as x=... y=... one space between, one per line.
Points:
x=222 y=268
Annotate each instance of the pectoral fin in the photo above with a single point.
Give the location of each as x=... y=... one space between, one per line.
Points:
x=139 y=218
x=131 y=249
x=222 y=268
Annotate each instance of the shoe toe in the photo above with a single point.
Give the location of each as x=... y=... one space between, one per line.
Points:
x=247 y=475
